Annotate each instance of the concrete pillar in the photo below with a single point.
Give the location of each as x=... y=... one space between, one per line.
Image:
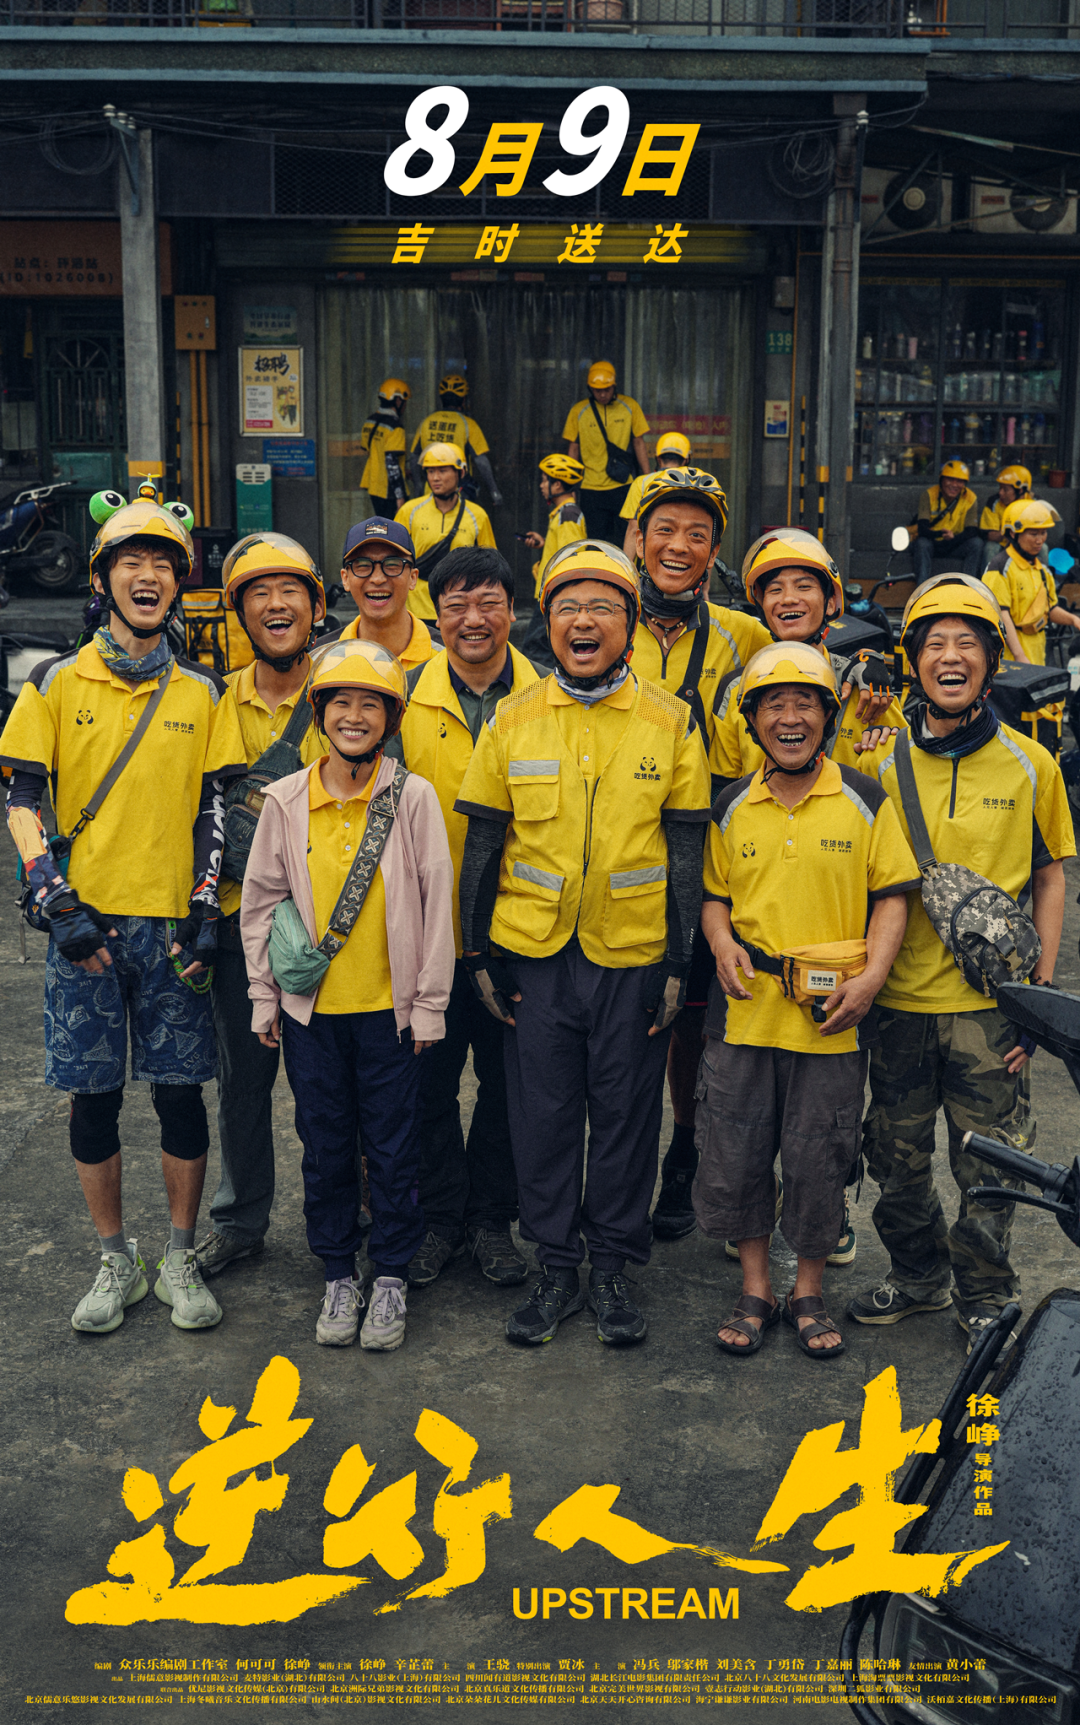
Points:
x=143 y=351
x=844 y=213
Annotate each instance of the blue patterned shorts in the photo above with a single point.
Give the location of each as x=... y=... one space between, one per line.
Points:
x=87 y=1017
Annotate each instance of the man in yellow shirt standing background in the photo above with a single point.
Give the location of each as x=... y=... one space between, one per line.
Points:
x=451 y=424
x=382 y=443
x=441 y=519
x=560 y=478
x=606 y=432
x=1026 y=591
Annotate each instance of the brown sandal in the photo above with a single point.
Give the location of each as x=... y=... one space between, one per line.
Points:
x=749 y=1306
x=812 y=1306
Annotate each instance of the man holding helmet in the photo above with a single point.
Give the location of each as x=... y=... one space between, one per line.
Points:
x=273 y=586
x=801 y=848
x=148 y=851
x=587 y=797
x=994 y=801
x=1025 y=590
x=606 y=432
x=382 y=443
x=451 y=424
x=945 y=524
x=441 y=520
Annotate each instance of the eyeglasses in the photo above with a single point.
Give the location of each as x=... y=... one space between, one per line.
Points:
x=591 y=608
x=392 y=567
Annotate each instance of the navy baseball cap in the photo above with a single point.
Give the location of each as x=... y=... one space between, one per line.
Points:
x=377 y=527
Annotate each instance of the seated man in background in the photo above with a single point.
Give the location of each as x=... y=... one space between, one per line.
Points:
x=945 y=524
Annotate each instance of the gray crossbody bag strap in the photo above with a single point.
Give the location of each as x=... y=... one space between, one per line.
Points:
x=909 y=796
x=90 y=811
x=381 y=814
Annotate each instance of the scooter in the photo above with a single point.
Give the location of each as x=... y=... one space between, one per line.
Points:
x=28 y=547
x=1013 y=1625
x=20 y=651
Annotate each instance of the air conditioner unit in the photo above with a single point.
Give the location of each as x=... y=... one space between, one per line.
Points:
x=1016 y=210
x=924 y=203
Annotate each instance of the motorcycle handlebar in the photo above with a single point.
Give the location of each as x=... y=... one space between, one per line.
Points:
x=1015 y=1162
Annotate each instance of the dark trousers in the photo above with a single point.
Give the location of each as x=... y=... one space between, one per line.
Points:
x=350 y=1073
x=602 y=518
x=581 y=1048
x=466 y=1184
x=246 y=1074
x=965 y=558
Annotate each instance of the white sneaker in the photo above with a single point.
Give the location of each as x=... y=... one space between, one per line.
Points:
x=180 y=1285
x=341 y=1308
x=384 y=1325
x=121 y=1282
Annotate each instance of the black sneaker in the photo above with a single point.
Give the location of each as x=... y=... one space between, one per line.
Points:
x=618 y=1320
x=434 y=1254
x=557 y=1295
x=498 y=1257
x=674 y=1216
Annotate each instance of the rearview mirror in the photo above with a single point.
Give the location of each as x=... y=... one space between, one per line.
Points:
x=900 y=539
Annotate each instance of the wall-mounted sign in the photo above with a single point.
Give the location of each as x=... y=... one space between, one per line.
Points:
x=778 y=341
x=270 y=323
x=271 y=391
x=652 y=246
x=254 y=498
x=64 y=258
x=195 y=322
x=659 y=163
x=709 y=433
x=777 y=418
x=290 y=457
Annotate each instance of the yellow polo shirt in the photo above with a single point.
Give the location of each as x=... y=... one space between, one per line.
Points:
x=622 y=420
x=990 y=519
x=1028 y=592
x=633 y=496
x=1003 y=811
x=420 y=649
x=733 y=638
x=566 y=526
x=377 y=441
x=801 y=877
x=945 y=517
x=734 y=752
x=260 y=727
x=446 y=425
x=358 y=979
x=71 y=720
x=426 y=524
x=585 y=793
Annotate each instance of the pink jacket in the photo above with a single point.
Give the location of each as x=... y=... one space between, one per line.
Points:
x=418 y=878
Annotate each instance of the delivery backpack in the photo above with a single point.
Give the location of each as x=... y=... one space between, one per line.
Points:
x=244 y=797
x=991 y=939
x=213 y=633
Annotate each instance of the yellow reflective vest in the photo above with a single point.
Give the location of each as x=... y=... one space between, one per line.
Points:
x=436 y=743
x=585 y=853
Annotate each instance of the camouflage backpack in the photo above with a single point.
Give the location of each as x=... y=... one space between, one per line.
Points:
x=991 y=939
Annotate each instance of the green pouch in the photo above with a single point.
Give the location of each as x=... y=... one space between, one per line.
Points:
x=298 y=966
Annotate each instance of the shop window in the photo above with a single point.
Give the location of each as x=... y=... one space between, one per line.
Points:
x=958 y=367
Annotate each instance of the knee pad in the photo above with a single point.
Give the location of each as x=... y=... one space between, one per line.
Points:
x=93 y=1132
x=182 y=1112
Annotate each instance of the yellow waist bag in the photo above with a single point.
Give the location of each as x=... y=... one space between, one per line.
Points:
x=1033 y=622
x=809 y=974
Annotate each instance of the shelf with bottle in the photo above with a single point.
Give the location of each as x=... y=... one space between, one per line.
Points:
x=999 y=427
x=914 y=387
x=1019 y=344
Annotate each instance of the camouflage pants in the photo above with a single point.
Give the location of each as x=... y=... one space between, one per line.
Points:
x=925 y=1061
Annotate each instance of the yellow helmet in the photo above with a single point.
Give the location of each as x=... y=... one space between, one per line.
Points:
x=791 y=548
x=673 y=443
x=392 y=386
x=454 y=384
x=1016 y=476
x=359 y=665
x=563 y=468
x=789 y=662
x=443 y=455
x=590 y=559
x=1027 y=515
x=952 y=596
x=955 y=470
x=142 y=520
x=601 y=375
x=269 y=554
x=685 y=485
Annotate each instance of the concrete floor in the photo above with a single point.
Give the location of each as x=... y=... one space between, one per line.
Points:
x=697 y=1443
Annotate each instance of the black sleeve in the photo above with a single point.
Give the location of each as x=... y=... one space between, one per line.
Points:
x=26 y=790
x=1040 y=853
x=686 y=846
x=925 y=530
x=208 y=838
x=479 y=884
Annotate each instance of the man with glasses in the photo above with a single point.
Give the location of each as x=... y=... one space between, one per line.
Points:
x=378 y=568
x=468 y=1190
x=587 y=799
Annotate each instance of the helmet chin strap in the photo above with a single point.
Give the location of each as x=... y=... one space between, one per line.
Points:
x=357 y=761
x=283 y=661
x=139 y=633
x=679 y=606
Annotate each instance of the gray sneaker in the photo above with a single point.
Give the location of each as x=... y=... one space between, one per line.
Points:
x=341 y=1308
x=888 y=1304
x=219 y=1249
x=180 y=1286
x=499 y=1259
x=434 y=1254
x=384 y=1325
x=121 y=1282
